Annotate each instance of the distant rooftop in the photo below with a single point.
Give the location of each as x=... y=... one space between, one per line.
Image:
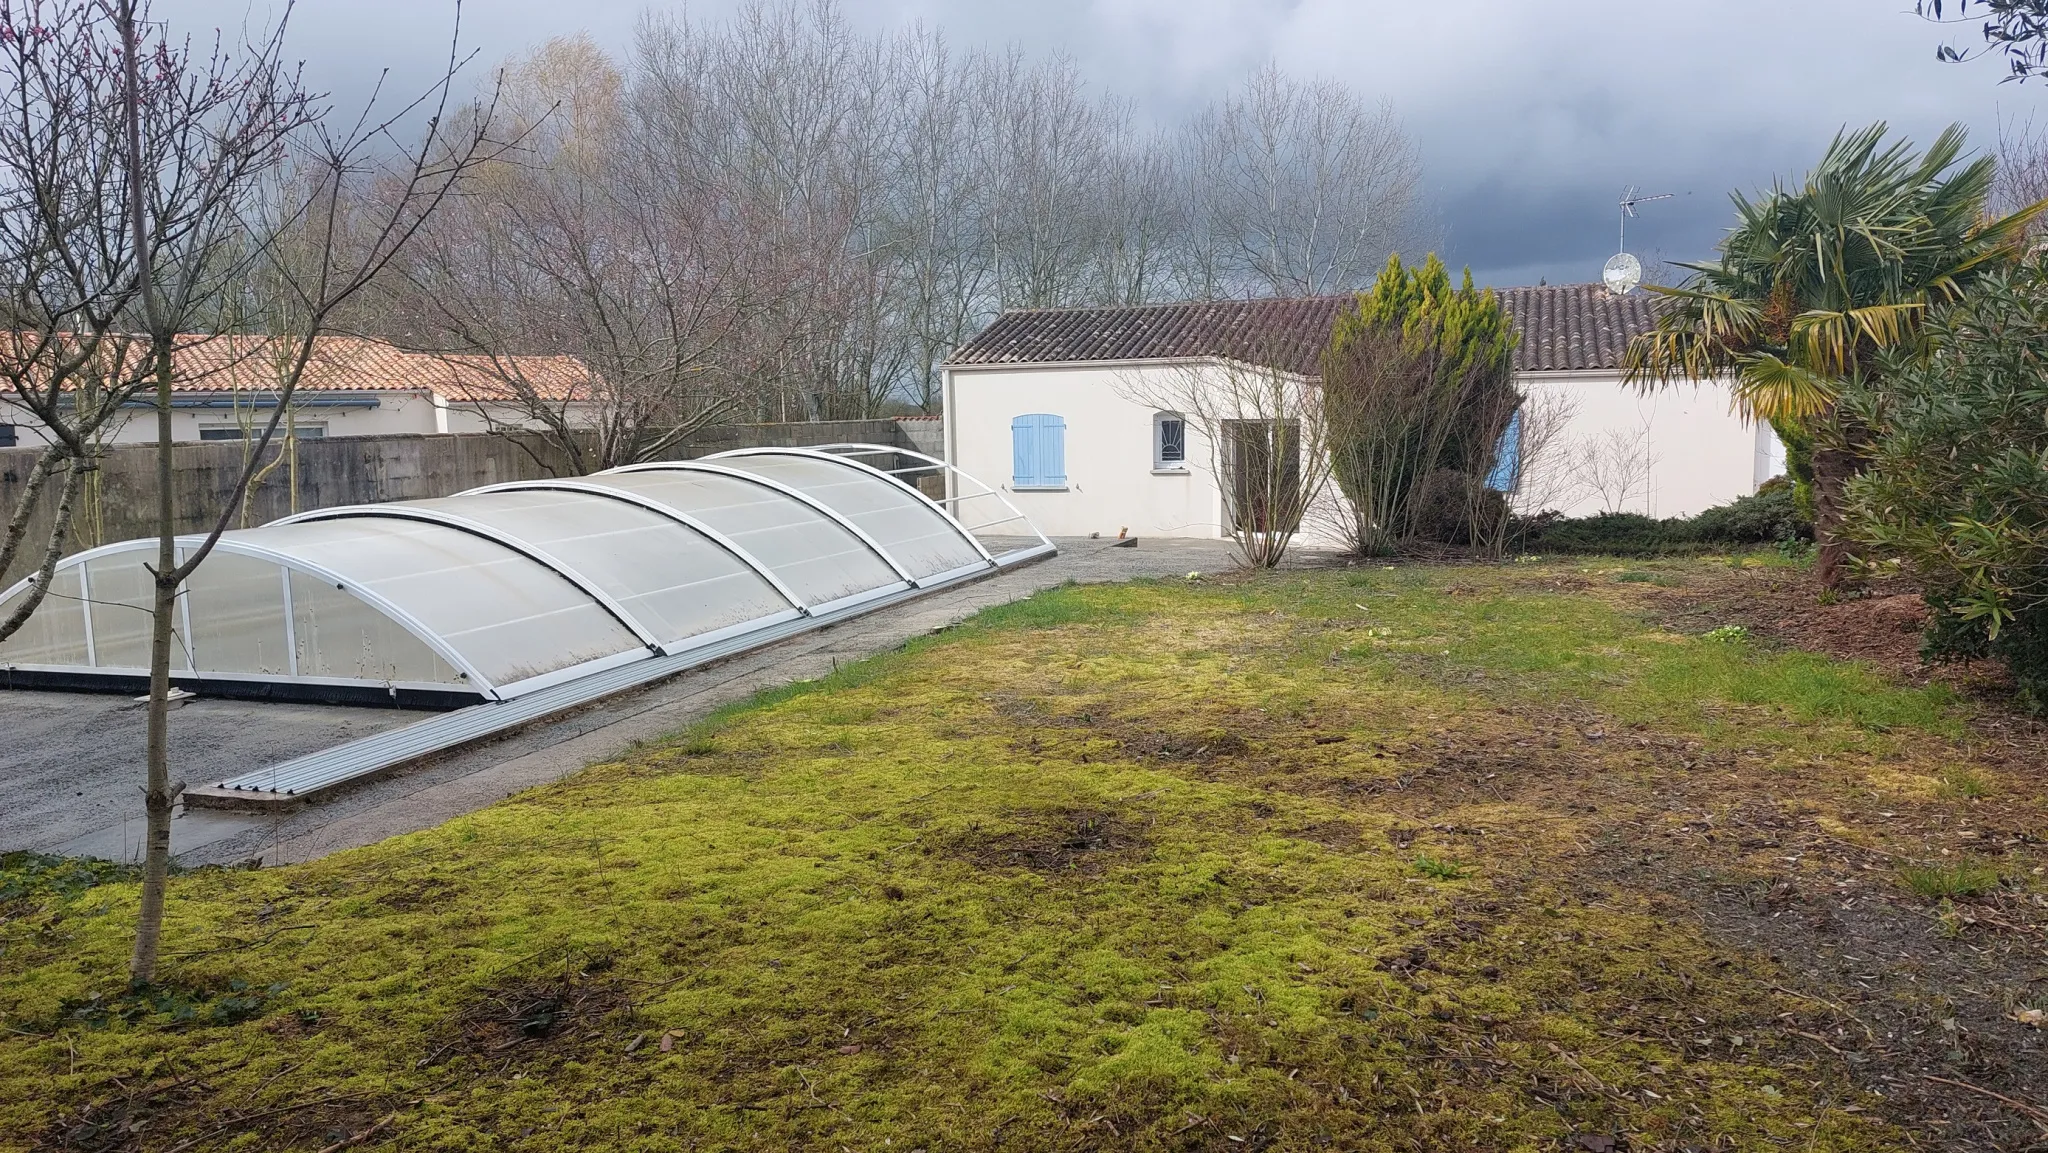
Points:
x=1564 y=327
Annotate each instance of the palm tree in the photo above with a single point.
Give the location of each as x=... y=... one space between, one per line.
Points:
x=1815 y=281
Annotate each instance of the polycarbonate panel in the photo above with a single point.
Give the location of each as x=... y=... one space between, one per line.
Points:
x=336 y=634
x=667 y=576
x=506 y=615
x=123 y=596
x=908 y=527
x=238 y=617
x=817 y=558
x=54 y=634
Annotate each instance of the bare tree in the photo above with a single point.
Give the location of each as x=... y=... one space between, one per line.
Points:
x=1615 y=465
x=1304 y=188
x=1264 y=432
x=206 y=135
x=65 y=359
x=1546 y=477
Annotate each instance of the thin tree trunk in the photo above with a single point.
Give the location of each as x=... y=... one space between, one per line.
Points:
x=24 y=508
x=60 y=531
x=159 y=795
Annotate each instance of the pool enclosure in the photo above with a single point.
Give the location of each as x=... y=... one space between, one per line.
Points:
x=503 y=592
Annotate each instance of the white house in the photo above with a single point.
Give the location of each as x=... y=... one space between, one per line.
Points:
x=351 y=387
x=1053 y=403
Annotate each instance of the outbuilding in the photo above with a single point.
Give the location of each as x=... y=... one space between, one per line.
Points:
x=1065 y=404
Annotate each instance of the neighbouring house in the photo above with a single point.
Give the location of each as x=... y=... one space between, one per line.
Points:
x=352 y=386
x=1060 y=406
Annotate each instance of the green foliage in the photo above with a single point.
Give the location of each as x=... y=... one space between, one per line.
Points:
x=1417 y=382
x=1941 y=882
x=36 y=876
x=1957 y=487
x=1726 y=634
x=1436 y=868
x=1769 y=516
x=1814 y=280
x=167 y=1005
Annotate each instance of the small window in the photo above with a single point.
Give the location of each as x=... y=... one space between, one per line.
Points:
x=1169 y=441
x=1038 y=447
x=7 y=436
x=1507 y=458
x=237 y=432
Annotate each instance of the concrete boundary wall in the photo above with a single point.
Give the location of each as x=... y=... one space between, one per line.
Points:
x=118 y=503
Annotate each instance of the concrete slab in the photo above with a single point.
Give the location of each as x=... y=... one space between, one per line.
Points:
x=73 y=771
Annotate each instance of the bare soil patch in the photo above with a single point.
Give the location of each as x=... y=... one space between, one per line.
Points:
x=1064 y=841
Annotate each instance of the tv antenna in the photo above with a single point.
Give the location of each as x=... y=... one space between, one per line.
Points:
x=1624 y=272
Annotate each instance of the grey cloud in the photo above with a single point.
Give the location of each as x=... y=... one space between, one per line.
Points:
x=1531 y=117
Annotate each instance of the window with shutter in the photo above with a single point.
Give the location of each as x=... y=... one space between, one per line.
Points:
x=1038 y=448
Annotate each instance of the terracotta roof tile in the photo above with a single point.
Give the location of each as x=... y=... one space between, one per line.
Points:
x=1286 y=334
x=1576 y=327
x=357 y=364
x=1564 y=327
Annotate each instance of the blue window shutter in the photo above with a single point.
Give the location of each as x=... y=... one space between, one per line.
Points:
x=1024 y=452
x=1507 y=459
x=1038 y=451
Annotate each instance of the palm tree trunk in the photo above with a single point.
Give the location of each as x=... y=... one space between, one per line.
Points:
x=1833 y=467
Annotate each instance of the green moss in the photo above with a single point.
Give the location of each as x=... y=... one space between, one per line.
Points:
x=1121 y=866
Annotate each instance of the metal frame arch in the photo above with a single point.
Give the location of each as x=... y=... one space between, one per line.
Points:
x=871 y=470
x=530 y=551
x=677 y=515
x=790 y=491
x=948 y=468
x=368 y=596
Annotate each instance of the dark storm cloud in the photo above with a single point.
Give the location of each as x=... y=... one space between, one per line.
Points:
x=1531 y=117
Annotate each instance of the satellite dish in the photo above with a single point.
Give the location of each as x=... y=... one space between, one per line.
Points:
x=1622 y=274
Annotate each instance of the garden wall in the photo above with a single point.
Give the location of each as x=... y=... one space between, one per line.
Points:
x=347 y=470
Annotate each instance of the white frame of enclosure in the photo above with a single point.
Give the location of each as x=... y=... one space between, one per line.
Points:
x=472 y=679
x=473 y=682
x=801 y=497
x=531 y=552
x=848 y=451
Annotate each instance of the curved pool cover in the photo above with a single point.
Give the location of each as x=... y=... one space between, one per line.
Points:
x=515 y=589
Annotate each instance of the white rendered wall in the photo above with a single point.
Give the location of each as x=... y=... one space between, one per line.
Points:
x=1111 y=485
x=396 y=412
x=1699 y=453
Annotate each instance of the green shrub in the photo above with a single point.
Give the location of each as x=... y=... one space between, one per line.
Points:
x=1770 y=516
x=1957 y=483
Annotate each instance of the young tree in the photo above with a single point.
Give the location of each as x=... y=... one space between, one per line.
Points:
x=205 y=135
x=65 y=358
x=1263 y=430
x=1417 y=381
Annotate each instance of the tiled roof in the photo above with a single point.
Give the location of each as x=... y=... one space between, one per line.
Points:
x=1564 y=327
x=357 y=364
x=1286 y=334
x=1567 y=327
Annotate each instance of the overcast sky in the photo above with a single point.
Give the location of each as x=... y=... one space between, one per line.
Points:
x=1531 y=117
